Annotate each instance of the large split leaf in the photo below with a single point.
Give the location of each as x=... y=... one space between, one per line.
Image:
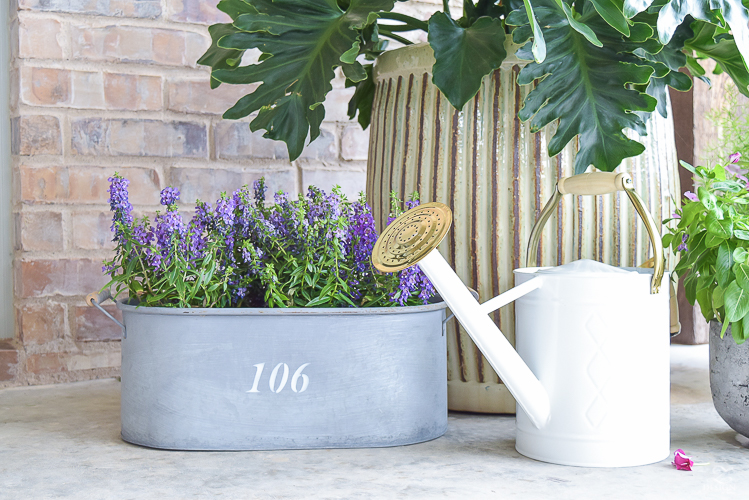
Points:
x=464 y=56
x=611 y=12
x=585 y=88
x=302 y=42
x=712 y=11
x=723 y=49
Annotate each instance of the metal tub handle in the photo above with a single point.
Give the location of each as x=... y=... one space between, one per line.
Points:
x=95 y=299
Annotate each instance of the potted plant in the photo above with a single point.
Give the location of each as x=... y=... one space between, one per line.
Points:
x=712 y=238
x=503 y=100
x=266 y=327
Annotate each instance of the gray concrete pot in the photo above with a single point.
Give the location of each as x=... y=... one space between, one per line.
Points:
x=729 y=378
x=266 y=379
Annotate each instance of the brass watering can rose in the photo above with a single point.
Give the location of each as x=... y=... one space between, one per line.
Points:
x=411 y=237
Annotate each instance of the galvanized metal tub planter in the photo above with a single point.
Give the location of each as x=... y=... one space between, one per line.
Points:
x=268 y=379
x=495 y=175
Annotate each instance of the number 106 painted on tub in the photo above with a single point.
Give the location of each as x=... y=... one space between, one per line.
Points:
x=284 y=378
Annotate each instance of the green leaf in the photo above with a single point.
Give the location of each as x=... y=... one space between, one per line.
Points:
x=235 y=8
x=633 y=7
x=539 y=42
x=740 y=254
x=579 y=26
x=723 y=264
x=722 y=49
x=740 y=335
x=742 y=275
x=302 y=42
x=722 y=228
x=611 y=12
x=741 y=234
x=708 y=199
x=704 y=299
x=464 y=56
x=587 y=89
x=690 y=287
x=363 y=98
x=718 y=297
x=217 y=57
x=736 y=302
x=673 y=13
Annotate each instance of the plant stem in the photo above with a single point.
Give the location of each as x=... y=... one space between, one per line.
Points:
x=446 y=7
x=395 y=37
x=408 y=20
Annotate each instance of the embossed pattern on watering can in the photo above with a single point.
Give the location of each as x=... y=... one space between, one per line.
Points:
x=496 y=175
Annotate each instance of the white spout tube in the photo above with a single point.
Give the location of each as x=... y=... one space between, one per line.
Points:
x=519 y=379
x=511 y=295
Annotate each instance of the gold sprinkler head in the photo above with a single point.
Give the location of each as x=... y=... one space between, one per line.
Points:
x=410 y=237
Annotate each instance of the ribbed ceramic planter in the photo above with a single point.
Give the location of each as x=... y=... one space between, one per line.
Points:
x=729 y=378
x=496 y=176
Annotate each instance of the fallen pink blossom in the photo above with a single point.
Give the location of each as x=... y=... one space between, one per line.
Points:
x=681 y=461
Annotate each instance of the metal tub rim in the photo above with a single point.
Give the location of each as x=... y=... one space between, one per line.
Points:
x=273 y=311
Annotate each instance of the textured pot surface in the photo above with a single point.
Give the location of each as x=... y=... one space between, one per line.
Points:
x=729 y=378
x=262 y=379
x=496 y=176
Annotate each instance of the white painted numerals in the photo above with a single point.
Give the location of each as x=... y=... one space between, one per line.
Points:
x=276 y=385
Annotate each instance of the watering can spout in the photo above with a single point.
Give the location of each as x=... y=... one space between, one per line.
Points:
x=413 y=238
x=530 y=395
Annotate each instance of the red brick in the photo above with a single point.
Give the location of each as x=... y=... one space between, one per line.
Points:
x=195 y=11
x=196 y=96
x=92 y=231
x=137 y=45
x=88 y=90
x=45 y=86
x=44 y=363
x=322 y=148
x=207 y=184
x=93 y=326
x=132 y=92
x=86 y=184
x=235 y=140
x=96 y=136
x=39 y=231
x=336 y=104
x=36 y=135
x=352 y=182
x=39 y=38
x=354 y=143
x=44 y=277
x=41 y=323
x=8 y=361
x=118 y=8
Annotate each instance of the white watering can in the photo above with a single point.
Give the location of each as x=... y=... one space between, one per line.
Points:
x=591 y=370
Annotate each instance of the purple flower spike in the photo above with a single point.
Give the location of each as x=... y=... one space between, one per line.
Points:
x=691 y=196
x=119 y=203
x=169 y=196
x=734 y=158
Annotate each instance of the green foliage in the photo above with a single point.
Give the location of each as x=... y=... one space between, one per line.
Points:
x=712 y=236
x=598 y=67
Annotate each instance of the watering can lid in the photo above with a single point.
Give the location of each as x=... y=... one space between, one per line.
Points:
x=584 y=266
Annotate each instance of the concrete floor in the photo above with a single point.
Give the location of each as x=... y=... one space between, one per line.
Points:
x=63 y=442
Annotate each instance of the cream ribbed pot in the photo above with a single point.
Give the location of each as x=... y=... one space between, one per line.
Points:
x=496 y=177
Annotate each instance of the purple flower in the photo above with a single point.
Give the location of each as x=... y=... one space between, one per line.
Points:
x=169 y=196
x=734 y=158
x=119 y=203
x=675 y=216
x=691 y=196
x=683 y=245
x=259 y=191
x=168 y=226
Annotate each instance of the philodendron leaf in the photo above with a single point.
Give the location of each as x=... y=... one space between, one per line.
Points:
x=633 y=7
x=611 y=12
x=733 y=12
x=295 y=69
x=464 y=56
x=586 y=89
x=724 y=51
x=217 y=57
x=579 y=26
x=539 y=43
x=736 y=302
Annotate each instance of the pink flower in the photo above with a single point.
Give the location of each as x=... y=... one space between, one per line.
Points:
x=734 y=158
x=675 y=216
x=691 y=196
x=681 y=461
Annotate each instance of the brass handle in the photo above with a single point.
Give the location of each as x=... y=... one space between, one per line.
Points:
x=602 y=183
x=593 y=183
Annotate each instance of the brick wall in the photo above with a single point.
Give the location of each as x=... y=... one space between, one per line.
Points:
x=105 y=85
